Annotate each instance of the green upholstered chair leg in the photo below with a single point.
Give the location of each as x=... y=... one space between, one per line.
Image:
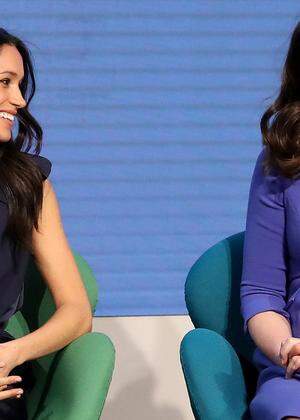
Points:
x=214 y=376
x=74 y=391
x=75 y=379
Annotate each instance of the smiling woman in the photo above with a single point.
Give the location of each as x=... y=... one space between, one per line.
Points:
x=30 y=223
x=11 y=98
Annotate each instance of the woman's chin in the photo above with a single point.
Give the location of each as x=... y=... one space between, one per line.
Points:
x=5 y=137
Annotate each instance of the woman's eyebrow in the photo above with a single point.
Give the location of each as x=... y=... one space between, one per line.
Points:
x=12 y=73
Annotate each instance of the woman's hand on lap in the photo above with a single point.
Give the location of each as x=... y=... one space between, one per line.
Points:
x=7 y=390
x=289 y=355
x=9 y=357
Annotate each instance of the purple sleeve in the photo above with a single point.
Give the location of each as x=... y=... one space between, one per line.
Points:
x=263 y=282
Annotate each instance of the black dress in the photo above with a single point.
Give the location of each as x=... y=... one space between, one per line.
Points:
x=11 y=300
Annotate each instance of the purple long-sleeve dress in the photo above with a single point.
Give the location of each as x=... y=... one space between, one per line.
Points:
x=271 y=281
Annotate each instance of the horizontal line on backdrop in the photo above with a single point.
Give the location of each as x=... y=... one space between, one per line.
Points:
x=153 y=124
x=139 y=271
x=128 y=236
x=106 y=311
x=148 y=287
x=162 y=52
x=116 y=88
x=96 y=107
x=149 y=254
x=165 y=70
x=218 y=197
x=138 y=161
x=136 y=216
x=143 y=289
x=90 y=16
x=160 y=235
x=146 y=291
x=212 y=235
x=122 y=292
x=184 y=216
x=147 y=234
x=162 y=180
x=147 y=33
x=152 y=234
x=158 y=143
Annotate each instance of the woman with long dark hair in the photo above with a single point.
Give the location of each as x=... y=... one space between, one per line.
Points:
x=30 y=225
x=270 y=284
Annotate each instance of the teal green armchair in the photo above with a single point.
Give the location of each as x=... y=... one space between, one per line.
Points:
x=72 y=383
x=216 y=356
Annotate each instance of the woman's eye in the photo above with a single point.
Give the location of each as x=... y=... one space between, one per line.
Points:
x=5 y=80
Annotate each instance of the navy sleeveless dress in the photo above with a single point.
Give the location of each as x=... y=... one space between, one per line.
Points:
x=271 y=282
x=11 y=300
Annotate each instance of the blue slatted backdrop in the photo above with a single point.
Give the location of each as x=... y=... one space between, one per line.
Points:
x=151 y=117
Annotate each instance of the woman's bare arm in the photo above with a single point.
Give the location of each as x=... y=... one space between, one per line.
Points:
x=54 y=258
x=268 y=329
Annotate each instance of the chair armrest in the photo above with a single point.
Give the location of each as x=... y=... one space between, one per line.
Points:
x=213 y=375
x=80 y=378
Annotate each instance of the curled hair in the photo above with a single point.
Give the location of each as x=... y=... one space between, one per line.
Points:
x=280 y=123
x=21 y=180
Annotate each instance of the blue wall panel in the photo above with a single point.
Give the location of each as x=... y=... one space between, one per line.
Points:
x=151 y=117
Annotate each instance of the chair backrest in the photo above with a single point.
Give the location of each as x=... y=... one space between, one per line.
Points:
x=38 y=307
x=212 y=293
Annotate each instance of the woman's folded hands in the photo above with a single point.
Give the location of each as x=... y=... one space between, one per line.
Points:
x=289 y=355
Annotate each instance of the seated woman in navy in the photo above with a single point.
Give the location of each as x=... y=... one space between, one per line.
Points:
x=30 y=224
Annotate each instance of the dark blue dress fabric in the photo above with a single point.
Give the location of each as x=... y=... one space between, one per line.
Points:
x=11 y=300
x=12 y=275
x=271 y=281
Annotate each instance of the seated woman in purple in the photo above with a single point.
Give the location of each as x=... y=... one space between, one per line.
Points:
x=270 y=283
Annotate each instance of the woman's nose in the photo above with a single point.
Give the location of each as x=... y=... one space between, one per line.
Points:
x=21 y=103
x=18 y=100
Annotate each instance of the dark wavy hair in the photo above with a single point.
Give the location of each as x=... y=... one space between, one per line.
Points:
x=281 y=136
x=21 y=180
